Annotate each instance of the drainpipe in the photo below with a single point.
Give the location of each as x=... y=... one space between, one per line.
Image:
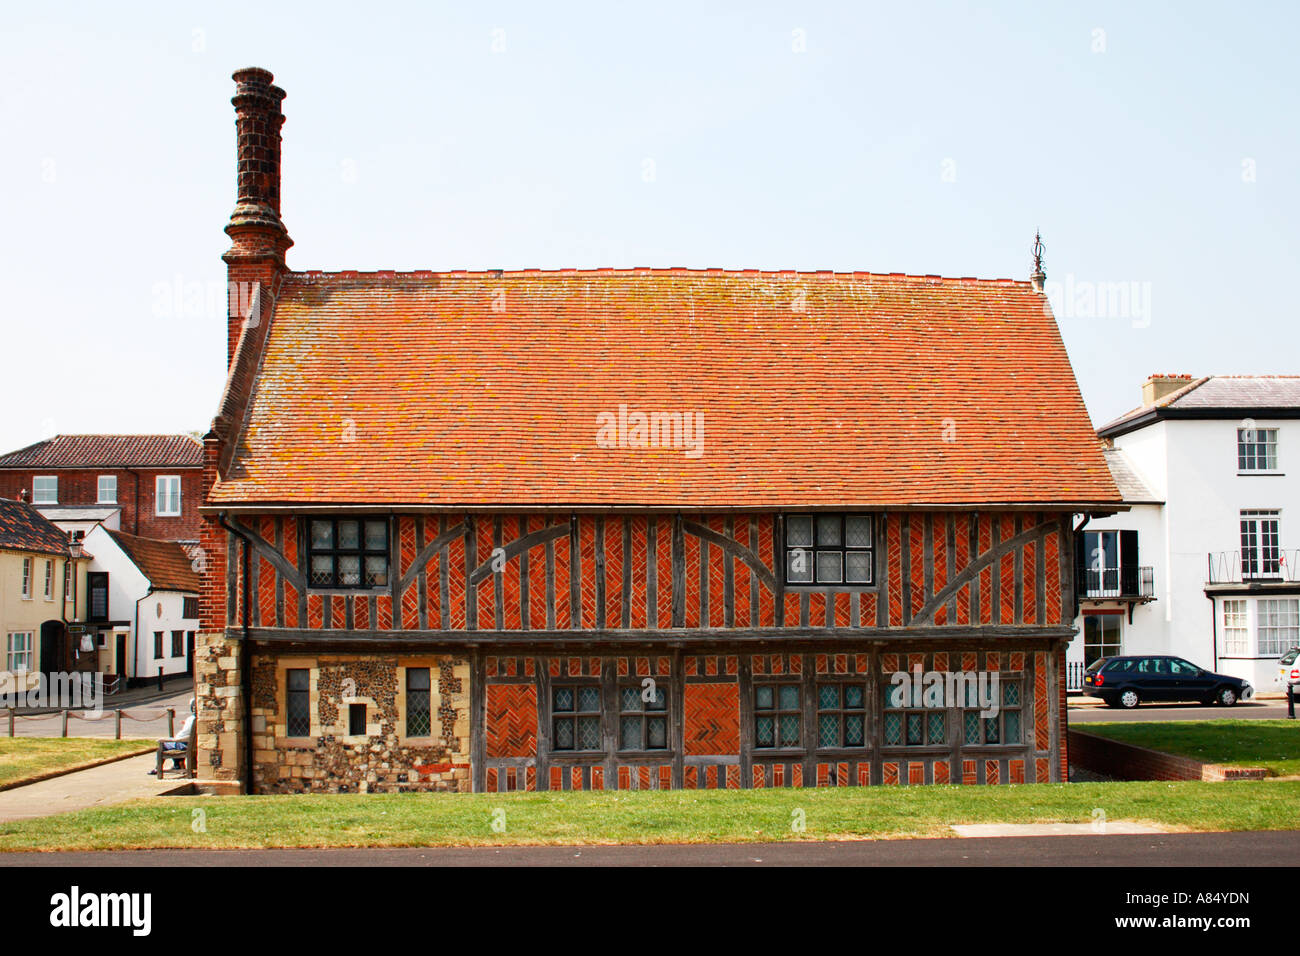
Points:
x=245 y=656
x=1078 y=598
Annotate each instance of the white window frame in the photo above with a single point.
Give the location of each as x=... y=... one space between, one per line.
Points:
x=19 y=661
x=36 y=496
x=49 y=579
x=160 y=497
x=99 y=490
x=1280 y=615
x=1102 y=620
x=1263 y=558
x=1250 y=441
x=69 y=583
x=27 y=579
x=1236 y=627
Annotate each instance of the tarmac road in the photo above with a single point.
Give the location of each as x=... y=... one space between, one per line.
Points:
x=1255 y=710
x=1252 y=848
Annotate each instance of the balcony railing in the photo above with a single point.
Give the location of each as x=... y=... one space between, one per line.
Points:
x=1137 y=583
x=1237 y=567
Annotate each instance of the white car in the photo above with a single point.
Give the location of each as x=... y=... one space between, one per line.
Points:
x=1288 y=668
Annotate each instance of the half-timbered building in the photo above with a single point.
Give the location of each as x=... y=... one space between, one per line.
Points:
x=631 y=528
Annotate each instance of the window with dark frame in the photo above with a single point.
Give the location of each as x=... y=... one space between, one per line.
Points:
x=348 y=552
x=419 y=719
x=575 y=717
x=178 y=643
x=909 y=723
x=830 y=549
x=841 y=715
x=778 y=715
x=642 y=723
x=356 y=720
x=191 y=608
x=297 y=702
x=97 y=585
x=157 y=645
x=1003 y=727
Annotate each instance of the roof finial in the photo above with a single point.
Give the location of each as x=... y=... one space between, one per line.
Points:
x=1038 y=277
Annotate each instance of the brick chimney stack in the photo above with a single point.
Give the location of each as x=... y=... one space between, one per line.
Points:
x=1158 y=386
x=258 y=237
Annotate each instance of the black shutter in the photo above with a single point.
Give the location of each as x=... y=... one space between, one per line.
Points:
x=1128 y=549
x=1128 y=562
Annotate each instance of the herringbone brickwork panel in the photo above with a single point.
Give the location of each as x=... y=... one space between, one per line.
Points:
x=511 y=720
x=711 y=719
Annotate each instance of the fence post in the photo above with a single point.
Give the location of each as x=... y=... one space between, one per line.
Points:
x=171 y=721
x=65 y=723
x=160 y=675
x=118 y=729
x=11 y=721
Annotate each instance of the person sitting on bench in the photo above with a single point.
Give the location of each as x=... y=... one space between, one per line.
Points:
x=177 y=747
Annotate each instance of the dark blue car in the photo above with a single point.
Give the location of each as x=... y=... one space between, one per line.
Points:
x=1131 y=680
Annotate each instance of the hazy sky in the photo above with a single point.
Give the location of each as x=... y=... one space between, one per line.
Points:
x=1155 y=144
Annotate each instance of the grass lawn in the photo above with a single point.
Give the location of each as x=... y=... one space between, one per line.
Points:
x=674 y=816
x=25 y=758
x=1272 y=744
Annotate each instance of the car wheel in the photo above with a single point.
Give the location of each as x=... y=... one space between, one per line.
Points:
x=1227 y=697
x=1129 y=699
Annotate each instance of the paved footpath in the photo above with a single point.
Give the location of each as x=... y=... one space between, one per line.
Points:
x=96 y=787
x=1276 y=848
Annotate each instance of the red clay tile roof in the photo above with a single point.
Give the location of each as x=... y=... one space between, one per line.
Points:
x=816 y=389
x=109 y=451
x=23 y=528
x=164 y=563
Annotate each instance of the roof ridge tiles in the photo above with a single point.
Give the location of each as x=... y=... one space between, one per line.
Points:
x=595 y=271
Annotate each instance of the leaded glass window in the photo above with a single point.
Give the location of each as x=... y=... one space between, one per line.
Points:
x=829 y=549
x=1003 y=727
x=419 y=719
x=575 y=717
x=298 y=702
x=643 y=717
x=908 y=722
x=777 y=715
x=348 y=552
x=841 y=715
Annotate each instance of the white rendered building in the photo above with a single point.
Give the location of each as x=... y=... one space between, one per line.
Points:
x=1199 y=566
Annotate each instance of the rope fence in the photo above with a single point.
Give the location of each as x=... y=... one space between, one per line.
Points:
x=116 y=715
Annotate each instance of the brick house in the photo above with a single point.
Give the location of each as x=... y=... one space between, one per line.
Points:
x=147 y=485
x=630 y=528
